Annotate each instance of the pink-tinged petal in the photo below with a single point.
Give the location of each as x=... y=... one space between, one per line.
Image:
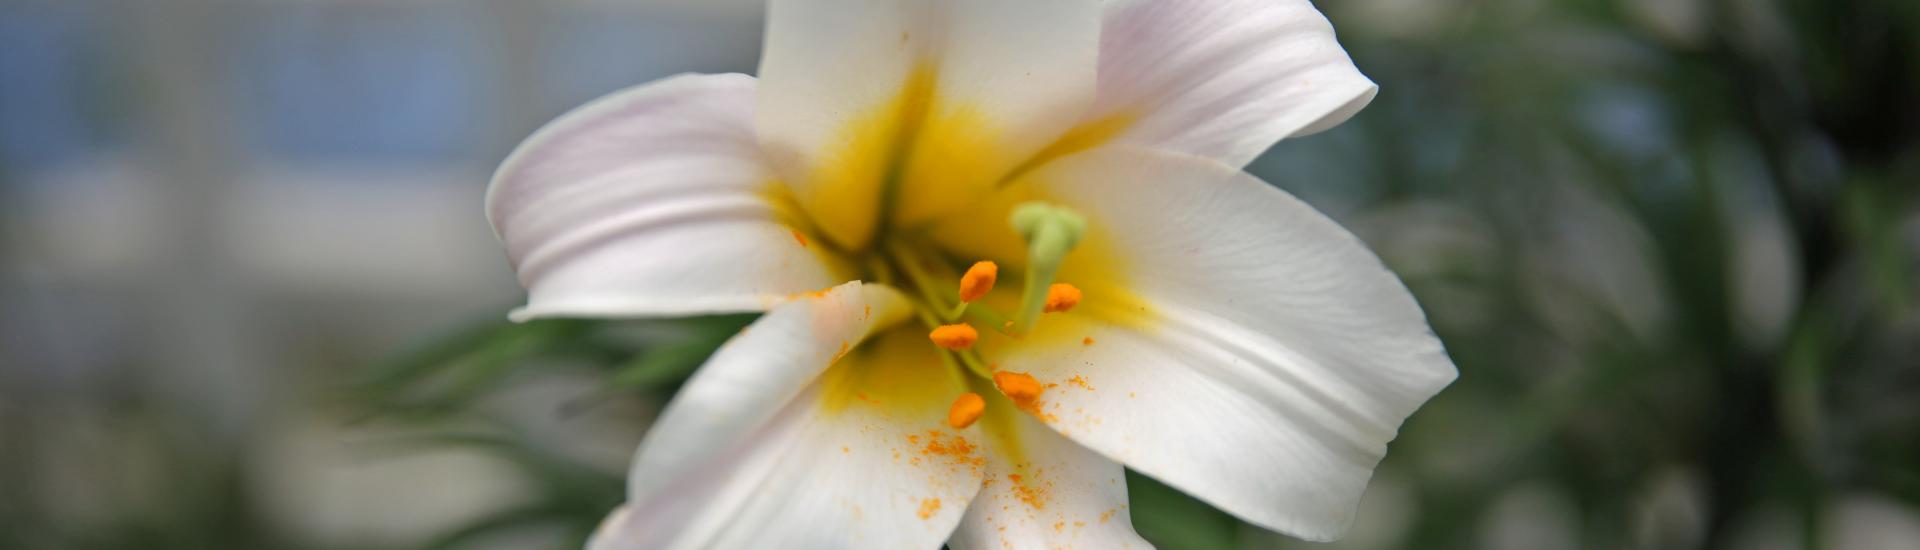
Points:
x=651 y=201
x=1044 y=491
x=813 y=429
x=1223 y=79
x=1245 y=349
x=944 y=97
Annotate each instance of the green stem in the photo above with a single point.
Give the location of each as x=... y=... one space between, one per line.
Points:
x=974 y=364
x=981 y=315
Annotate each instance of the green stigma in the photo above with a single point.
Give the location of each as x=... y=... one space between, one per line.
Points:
x=1051 y=231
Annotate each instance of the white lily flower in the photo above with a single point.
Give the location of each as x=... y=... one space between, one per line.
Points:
x=1159 y=310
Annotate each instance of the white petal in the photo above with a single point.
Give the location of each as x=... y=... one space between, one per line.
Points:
x=1043 y=491
x=650 y=201
x=958 y=92
x=1248 y=350
x=769 y=447
x=1224 y=79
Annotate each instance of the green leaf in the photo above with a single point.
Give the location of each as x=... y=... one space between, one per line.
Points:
x=1171 y=520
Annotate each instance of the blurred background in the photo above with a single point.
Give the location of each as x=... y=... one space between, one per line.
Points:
x=250 y=300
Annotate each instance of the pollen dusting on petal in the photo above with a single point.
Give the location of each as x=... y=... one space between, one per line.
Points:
x=799 y=237
x=1061 y=297
x=814 y=294
x=965 y=410
x=928 y=507
x=979 y=280
x=952 y=450
x=1080 y=381
x=1033 y=490
x=941 y=444
x=1088 y=341
x=956 y=336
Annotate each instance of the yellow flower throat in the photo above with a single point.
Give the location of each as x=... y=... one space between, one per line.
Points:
x=922 y=194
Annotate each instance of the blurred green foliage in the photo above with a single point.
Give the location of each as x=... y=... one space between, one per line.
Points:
x=434 y=387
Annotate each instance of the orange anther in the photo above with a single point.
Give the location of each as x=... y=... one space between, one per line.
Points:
x=1019 y=386
x=966 y=409
x=978 y=281
x=1061 y=297
x=955 y=337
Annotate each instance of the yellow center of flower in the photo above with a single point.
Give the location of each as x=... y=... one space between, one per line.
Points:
x=922 y=193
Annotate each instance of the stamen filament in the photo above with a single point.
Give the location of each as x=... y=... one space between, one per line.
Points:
x=985 y=316
x=916 y=272
x=954 y=360
x=958 y=310
x=972 y=360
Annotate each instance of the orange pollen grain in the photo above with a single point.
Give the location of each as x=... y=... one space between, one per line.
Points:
x=965 y=410
x=928 y=507
x=799 y=237
x=1019 y=386
x=953 y=449
x=978 y=281
x=1080 y=381
x=955 y=337
x=1061 y=297
x=1033 y=494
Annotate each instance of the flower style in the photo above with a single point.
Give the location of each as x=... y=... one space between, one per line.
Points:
x=1004 y=248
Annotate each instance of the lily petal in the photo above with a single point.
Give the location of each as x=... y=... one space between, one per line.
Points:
x=797 y=434
x=944 y=97
x=1264 y=358
x=598 y=208
x=1044 y=491
x=1223 y=79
